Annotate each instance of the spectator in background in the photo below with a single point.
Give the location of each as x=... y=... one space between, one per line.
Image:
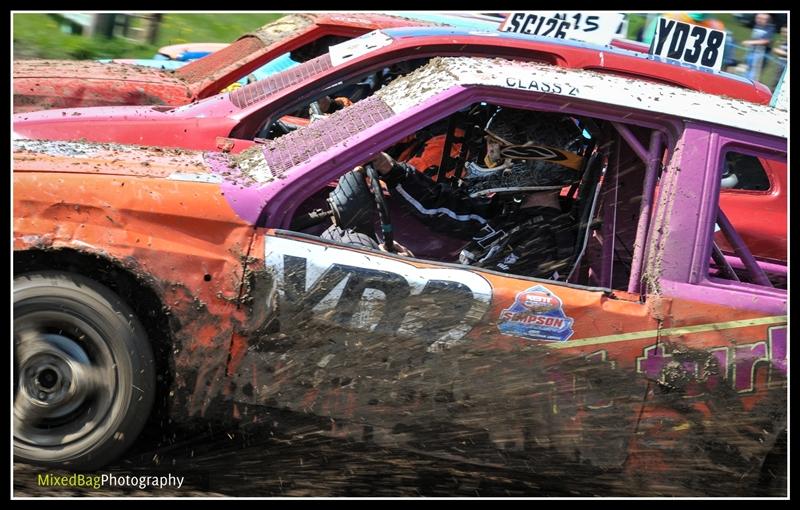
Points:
x=758 y=44
x=781 y=52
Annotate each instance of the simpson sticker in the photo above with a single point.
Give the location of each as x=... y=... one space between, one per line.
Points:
x=687 y=43
x=536 y=314
x=354 y=290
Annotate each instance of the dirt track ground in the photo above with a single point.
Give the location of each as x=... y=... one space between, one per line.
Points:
x=221 y=465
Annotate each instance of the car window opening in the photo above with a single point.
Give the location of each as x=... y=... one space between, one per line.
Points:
x=746 y=254
x=600 y=202
x=333 y=98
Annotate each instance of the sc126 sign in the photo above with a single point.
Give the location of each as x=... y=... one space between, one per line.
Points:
x=597 y=27
x=535 y=24
x=692 y=44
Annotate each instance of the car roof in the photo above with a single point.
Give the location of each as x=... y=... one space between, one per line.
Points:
x=444 y=73
x=631 y=63
x=406 y=32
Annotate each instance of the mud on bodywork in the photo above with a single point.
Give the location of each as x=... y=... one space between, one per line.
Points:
x=676 y=431
x=567 y=416
x=443 y=73
x=179 y=237
x=48 y=84
x=714 y=435
x=281 y=28
x=203 y=73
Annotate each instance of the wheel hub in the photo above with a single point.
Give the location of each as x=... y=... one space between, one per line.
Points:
x=48 y=377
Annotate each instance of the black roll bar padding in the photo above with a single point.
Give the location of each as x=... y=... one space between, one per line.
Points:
x=383 y=209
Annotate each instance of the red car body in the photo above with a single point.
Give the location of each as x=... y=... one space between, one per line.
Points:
x=760 y=216
x=240 y=114
x=45 y=84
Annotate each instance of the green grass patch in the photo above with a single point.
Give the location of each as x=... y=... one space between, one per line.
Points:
x=41 y=35
x=183 y=28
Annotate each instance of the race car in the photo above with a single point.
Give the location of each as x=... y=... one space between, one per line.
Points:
x=272 y=108
x=45 y=84
x=354 y=69
x=201 y=286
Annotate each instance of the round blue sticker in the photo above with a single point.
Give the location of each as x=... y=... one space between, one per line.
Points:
x=536 y=314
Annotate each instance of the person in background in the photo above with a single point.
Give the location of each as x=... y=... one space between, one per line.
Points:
x=781 y=53
x=758 y=44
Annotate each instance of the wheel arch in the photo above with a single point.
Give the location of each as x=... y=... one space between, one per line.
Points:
x=142 y=296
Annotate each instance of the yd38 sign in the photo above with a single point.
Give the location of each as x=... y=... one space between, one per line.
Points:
x=692 y=44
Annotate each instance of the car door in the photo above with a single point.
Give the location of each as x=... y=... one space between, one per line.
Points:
x=439 y=354
x=448 y=358
x=716 y=398
x=443 y=353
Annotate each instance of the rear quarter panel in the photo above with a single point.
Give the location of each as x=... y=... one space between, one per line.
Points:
x=179 y=238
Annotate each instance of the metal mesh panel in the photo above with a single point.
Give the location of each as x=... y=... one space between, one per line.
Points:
x=205 y=67
x=298 y=146
x=255 y=92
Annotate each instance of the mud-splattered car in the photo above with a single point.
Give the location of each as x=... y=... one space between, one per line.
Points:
x=204 y=282
x=353 y=70
x=45 y=84
x=266 y=110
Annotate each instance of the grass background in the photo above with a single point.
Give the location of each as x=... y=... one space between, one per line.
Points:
x=40 y=36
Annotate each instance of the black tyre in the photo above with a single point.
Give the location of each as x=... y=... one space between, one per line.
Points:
x=84 y=374
x=334 y=233
x=352 y=203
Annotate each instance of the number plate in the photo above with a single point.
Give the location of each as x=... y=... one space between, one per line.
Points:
x=535 y=24
x=597 y=27
x=687 y=43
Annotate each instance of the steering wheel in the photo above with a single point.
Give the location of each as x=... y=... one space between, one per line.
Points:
x=383 y=210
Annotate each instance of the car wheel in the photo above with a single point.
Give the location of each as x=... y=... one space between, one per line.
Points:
x=84 y=374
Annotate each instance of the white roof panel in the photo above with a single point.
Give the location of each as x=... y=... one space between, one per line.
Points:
x=444 y=73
